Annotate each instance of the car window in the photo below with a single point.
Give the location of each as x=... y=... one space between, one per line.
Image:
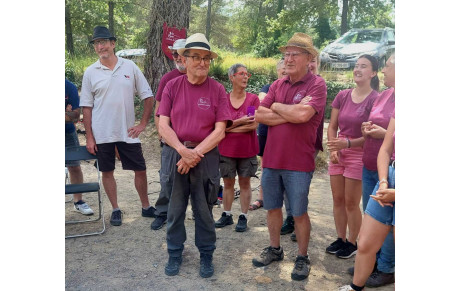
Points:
x=391 y=35
x=362 y=37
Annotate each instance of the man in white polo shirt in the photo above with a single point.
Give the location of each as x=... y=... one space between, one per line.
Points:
x=107 y=98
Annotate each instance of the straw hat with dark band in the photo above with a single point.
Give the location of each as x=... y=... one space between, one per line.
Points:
x=197 y=41
x=301 y=40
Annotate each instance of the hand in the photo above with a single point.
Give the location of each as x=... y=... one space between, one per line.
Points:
x=134 y=131
x=182 y=168
x=365 y=127
x=243 y=121
x=305 y=100
x=91 y=146
x=334 y=157
x=375 y=131
x=191 y=157
x=384 y=196
x=336 y=144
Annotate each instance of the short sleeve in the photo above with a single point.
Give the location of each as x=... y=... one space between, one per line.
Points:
x=166 y=101
x=86 y=97
x=142 y=86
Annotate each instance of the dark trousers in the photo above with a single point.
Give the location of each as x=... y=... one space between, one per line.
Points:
x=202 y=184
x=167 y=169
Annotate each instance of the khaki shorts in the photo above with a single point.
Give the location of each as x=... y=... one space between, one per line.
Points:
x=245 y=167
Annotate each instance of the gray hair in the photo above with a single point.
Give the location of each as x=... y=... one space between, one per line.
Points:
x=232 y=70
x=280 y=62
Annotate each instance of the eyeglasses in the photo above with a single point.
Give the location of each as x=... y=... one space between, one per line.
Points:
x=198 y=59
x=175 y=54
x=102 y=41
x=293 y=55
x=242 y=74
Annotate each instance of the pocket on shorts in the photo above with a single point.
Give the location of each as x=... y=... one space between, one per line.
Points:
x=254 y=167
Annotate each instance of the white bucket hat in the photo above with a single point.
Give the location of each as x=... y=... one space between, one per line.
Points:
x=178 y=44
x=197 y=41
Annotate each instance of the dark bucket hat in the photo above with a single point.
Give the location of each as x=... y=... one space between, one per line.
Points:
x=102 y=32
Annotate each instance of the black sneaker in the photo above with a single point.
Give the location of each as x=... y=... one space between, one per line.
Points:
x=293 y=237
x=288 y=225
x=159 y=222
x=242 y=224
x=301 y=268
x=335 y=246
x=377 y=279
x=206 y=266
x=150 y=212
x=115 y=219
x=267 y=256
x=347 y=251
x=173 y=265
x=224 y=220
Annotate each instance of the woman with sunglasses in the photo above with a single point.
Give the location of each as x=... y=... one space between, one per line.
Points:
x=239 y=148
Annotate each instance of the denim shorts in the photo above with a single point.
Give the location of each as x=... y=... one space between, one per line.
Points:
x=245 y=167
x=71 y=140
x=295 y=183
x=386 y=214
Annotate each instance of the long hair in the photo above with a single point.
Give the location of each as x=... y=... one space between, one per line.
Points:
x=375 y=83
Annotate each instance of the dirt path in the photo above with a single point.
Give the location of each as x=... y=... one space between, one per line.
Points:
x=132 y=256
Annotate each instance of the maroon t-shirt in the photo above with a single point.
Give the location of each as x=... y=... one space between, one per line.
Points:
x=351 y=114
x=291 y=146
x=164 y=80
x=241 y=144
x=194 y=109
x=381 y=112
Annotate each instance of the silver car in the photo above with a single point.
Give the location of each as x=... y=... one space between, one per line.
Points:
x=344 y=52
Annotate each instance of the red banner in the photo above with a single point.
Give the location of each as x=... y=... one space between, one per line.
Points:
x=170 y=35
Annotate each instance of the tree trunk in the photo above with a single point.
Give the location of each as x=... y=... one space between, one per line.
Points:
x=68 y=31
x=255 y=29
x=277 y=33
x=208 y=21
x=174 y=13
x=344 y=25
x=111 y=26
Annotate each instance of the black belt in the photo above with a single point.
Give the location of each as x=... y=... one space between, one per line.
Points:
x=392 y=163
x=190 y=144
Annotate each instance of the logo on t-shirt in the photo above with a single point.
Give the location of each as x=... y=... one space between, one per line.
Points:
x=126 y=76
x=204 y=103
x=299 y=96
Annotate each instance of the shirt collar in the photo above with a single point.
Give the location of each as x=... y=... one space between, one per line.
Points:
x=304 y=79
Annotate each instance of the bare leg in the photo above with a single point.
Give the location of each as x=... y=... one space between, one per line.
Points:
x=354 y=216
x=76 y=177
x=110 y=187
x=140 y=182
x=372 y=236
x=274 y=222
x=302 y=229
x=229 y=193
x=245 y=193
x=338 y=197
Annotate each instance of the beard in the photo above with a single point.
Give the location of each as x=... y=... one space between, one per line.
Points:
x=180 y=67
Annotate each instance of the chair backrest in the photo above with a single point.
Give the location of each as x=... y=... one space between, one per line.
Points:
x=78 y=153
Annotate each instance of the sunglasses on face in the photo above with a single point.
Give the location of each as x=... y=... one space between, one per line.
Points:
x=175 y=55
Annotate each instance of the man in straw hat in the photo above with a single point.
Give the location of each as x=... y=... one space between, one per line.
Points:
x=107 y=97
x=193 y=117
x=289 y=166
x=166 y=170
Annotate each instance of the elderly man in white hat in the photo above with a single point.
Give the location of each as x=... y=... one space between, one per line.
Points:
x=288 y=166
x=166 y=170
x=193 y=116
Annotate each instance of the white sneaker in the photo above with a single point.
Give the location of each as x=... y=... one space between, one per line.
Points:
x=346 y=288
x=83 y=209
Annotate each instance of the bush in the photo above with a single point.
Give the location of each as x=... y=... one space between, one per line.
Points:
x=333 y=88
